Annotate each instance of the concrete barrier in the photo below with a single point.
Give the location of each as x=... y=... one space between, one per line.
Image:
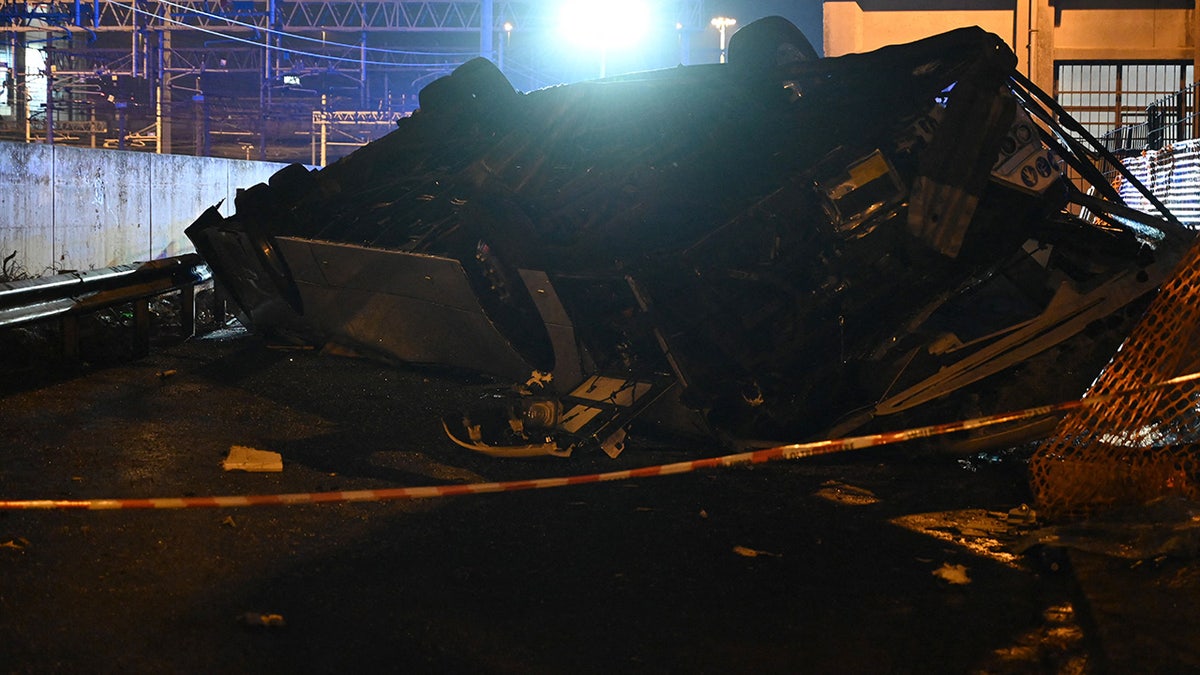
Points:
x=67 y=208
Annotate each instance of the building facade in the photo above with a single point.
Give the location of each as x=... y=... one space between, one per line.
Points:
x=1106 y=61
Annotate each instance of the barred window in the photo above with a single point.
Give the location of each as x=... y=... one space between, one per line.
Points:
x=1104 y=96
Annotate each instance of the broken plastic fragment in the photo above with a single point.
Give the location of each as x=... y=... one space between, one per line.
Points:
x=954 y=574
x=549 y=447
x=242 y=458
x=260 y=620
x=539 y=379
x=613 y=445
x=754 y=553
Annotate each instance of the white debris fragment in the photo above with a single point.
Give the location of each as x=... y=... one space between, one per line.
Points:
x=954 y=574
x=242 y=458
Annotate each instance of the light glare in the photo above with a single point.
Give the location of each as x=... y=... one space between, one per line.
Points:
x=616 y=23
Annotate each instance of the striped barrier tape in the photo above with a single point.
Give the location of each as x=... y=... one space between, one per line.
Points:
x=783 y=452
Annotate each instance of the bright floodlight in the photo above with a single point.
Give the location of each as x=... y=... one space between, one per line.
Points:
x=607 y=25
x=722 y=24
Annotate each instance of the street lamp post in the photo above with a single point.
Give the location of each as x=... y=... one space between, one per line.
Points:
x=508 y=29
x=723 y=23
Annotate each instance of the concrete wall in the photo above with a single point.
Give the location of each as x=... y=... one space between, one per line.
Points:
x=1040 y=32
x=79 y=208
x=854 y=27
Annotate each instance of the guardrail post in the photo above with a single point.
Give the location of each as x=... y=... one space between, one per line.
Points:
x=141 y=327
x=187 y=311
x=69 y=328
x=220 y=298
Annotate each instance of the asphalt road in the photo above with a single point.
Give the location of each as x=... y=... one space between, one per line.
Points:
x=847 y=564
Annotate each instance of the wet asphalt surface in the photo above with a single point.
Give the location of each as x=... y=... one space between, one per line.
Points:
x=762 y=569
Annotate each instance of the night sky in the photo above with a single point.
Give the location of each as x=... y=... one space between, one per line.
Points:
x=567 y=62
x=804 y=13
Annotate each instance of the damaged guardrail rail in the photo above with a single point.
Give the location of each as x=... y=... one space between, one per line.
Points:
x=69 y=295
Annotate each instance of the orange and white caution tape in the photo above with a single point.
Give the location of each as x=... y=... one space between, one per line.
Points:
x=783 y=452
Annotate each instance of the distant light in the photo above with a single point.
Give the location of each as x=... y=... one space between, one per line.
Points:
x=612 y=24
x=291 y=79
x=722 y=23
x=508 y=26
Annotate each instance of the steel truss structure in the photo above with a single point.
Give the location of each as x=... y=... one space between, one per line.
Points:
x=108 y=15
x=171 y=73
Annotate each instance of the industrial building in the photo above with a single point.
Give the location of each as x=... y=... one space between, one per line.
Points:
x=1106 y=62
x=284 y=81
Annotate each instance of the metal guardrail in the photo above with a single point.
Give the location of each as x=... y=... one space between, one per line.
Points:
x=70 y=295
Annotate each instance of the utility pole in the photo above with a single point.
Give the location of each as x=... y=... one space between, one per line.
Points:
x=49 y=90
x=20 y=95
x=162 y=103
x=487 y=29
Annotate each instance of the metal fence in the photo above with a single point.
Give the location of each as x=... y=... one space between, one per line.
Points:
x=1168 y=120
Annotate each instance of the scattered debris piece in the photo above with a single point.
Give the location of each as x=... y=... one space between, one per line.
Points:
x=261 y=620
x=18 y=544
x=843 y=493
x=987 y=533
x=1022 y=515
x=164 y=374
x=754 y=553
x=954 y=574
x=242 y=458
x=1058 y=640
x=229 y=522
x=1164 y=527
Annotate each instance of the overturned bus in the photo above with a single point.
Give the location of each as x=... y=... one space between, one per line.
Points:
x=781 y=247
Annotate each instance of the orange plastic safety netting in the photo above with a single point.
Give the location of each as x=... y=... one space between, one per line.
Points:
x=1133 y=449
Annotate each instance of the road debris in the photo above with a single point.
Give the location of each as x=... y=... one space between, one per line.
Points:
x=261 y=620
x=953 y=574
x=1022 y=515
x=242 y=458
x=747 y=552
x=1167 y=527
x=991 y=534
x=843 y=493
